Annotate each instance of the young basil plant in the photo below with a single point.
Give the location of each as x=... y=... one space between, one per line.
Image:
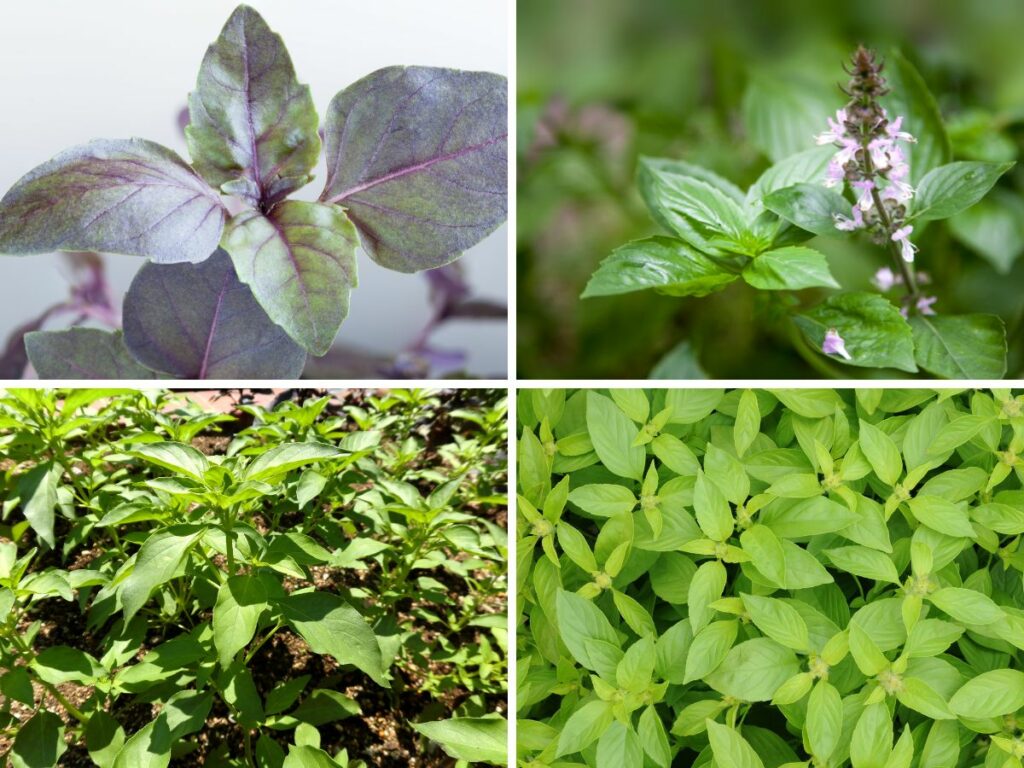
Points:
x=187 y=575
x=416 y=174
x=891 y=154
x=770 y=578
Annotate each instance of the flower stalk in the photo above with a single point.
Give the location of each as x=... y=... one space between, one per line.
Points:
x=871 y=160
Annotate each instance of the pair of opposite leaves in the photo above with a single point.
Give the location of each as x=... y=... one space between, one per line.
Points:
x=416 y=155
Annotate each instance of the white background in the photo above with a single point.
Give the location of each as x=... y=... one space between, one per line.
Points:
x=72 y=71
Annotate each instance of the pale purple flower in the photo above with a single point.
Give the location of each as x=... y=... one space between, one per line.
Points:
x=835 y=174
x=899 y=191
x=924 y=305
x=885 y=279
x=893 y=131
x=848 y=148
x=881 y=153
x=864 y=187
x=836 y=129
x=907 y=248
x=834 y=344
x=849 y=224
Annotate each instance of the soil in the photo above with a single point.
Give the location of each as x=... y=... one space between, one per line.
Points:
x=381 y=735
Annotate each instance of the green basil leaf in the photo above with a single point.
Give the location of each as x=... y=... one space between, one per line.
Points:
x=789 y=269
x=949 y=189
x=778 y=620
x=332 y=626
x=824 y=724
x=966 y=605
x=809 y=206
x=753 y=670
x=960 y=346
x=39 y=743
x=240 y=601
x=480 y=739
x=730 y=748
x=875 y=333
x=584 y=727
x=990 y=694
x=613 y=435
x=664 y=264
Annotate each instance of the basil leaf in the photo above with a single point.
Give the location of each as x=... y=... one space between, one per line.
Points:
x=942 y=515
x=332 y=626
x=789 y=269
x=778 y=620
x=619 y=746
x=480 y=739
x=418 y=157
x=960 y=346
x=584 y=726
x=83 y=353
x=157 y=562
x=993 y=228
x=198 y=321
x=299 y=261
x=783 y=113
x=753 y=670
x=39 y=743
x=240 y=601
x=966 y=605
x=667 y=265
x=871 y=744
x=283 y=458
x=864 y=562
x=613 y=435
x=876 y=335
x=949 y=189
x=824 y=724
x=730 y=748
x=881 y=452
x=603 y=500
x=809 y=206
x=990 y=694
x=253 y=130
x=37 y=489
x=709 y=648
x=133 y=197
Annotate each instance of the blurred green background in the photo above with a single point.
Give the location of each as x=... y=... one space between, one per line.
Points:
x=604 y=81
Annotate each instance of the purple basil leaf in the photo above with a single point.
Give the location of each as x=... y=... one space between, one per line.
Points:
x=83 y=353
x=299 y=260
x=197 y=321
x=418 y=157
x=122 y=196
x=254 y=127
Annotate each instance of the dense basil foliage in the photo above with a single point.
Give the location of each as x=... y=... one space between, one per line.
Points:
x=758 y=579
x=322 y=572
x=417 y=175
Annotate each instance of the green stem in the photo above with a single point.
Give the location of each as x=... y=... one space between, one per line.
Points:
x=255 y=649
x=229 y=538
x=248 y=748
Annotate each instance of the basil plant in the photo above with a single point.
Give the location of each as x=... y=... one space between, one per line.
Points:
x=242 y=281
x=882 y=170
